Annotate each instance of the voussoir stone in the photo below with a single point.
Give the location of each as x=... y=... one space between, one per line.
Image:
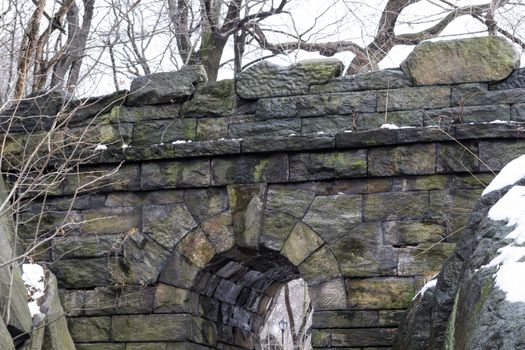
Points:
x=166 y=87
x=461 y=61
x=267 y=79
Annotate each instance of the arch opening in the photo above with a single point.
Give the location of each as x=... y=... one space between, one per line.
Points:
x=240 y=291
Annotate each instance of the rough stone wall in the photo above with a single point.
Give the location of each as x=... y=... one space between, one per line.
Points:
x=186 y=244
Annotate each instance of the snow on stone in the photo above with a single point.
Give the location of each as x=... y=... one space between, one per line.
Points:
x=33 y=276
x=348 y=131
x=430 y=284
x=389 y=126
x=124 y=146
x=510 y=174
x=497 y=121
x=180 y=142
x=510 y=276
x=101 y=147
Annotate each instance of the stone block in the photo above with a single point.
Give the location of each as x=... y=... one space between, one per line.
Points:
x=363 y=337
x=102 y=179
x=268 y=128
x=513 y=81
x=379 y=293
x=301 y=243
x=378 y=80
x=206 y=203
x=249 y=169
x=478 y=94
x=100 y=346
x=159 y=327
x=275 y=229
x=330 y=165
x=354 y=186
x=403 y=233
x=469 y=114
x=317 y=105
x=196 y=248
x=321 y=338
x=345 y=319
x=286 y=143
x=215 y=98
x=169 y=299
x=494 y=155
x=266 y=79
x=453 y=157
x=228 y=291
x=212 y=128
x=167 y=224
x=420 y=183
x=120 y=114
x=333 y=216
x=417 y=159
x=329 y=124
x=476 y=59
x=175 y=174
x=110 y=220
x=395 y=206
x=90 y=329
x=365 y=121
x=179 y=271
x=128 y=300
x=146 y=346
x=87 y=246
x=163 y=131
x=361 y=252
x=328 y=295
x=246 y=203
x=219 y=230
x=366 y=138
x=320 y=266
x=81 y=273
x=425 y=259
x=165 y=87
x=391 y=318
x=413 y=98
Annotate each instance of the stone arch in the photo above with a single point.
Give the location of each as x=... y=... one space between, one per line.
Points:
x=226 y=270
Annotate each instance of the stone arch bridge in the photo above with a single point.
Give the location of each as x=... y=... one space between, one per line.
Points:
x=227 y=190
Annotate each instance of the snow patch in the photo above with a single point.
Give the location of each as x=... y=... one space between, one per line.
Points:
x=497 y=121
x=429 y=285
x=348 y=131
x=510 y=278
x=389 y=126
x=180 y=142
x=101 y=147
x=509 y=175
x=33 y=276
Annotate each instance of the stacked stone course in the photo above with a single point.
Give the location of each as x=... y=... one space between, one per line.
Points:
x=230 y=189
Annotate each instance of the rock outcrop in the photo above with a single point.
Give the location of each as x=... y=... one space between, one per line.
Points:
x=478 y=301
x=486 y=58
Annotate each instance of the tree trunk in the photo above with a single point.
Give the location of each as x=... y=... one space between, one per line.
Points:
x=210 y=53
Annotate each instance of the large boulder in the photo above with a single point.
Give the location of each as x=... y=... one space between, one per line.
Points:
x=270 y=80
x=166 y=87
x=478 y=300
x=461 y=61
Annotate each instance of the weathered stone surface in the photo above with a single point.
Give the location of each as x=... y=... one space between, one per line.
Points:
x=266 y=79
x=279 y=127
x=494 y=155
x=246 y=209
x=178 y=271
x=206 y=203
x=329 y=295
x=168 y=327
x=401 y=233
x=333 y=216
x=319 y=267
x=345 y=319
x=166 y=87
x=81 y=273
x=317 y=166
x=249 y=169
x=5 y=338
x=378 y=80
x=212 y=128
x=457 y=157
x=38 y=103
x=196 y=248
x=276 y=229
x=302 y=242
x=361 y=252
x=104 y=301
x=220 y=232
x=514 y=81
x=176 y=174
x=169 y=299
x=81 y=111
x=163 y=131
x=395 y=206
x=477 y=94
x=167 y=224
x=110 y=220
x=419 y=183
x=90 y=329
x=317 y=105
x=412 y=118
x=379 y=293
x=363 y=337
x=123 y=114
x=101 y=346
x=211 y=99
x=402 y=160
x=470 y=114
x=413 y=98
x=476 y=59
x=286 y=143
x=329 y=124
